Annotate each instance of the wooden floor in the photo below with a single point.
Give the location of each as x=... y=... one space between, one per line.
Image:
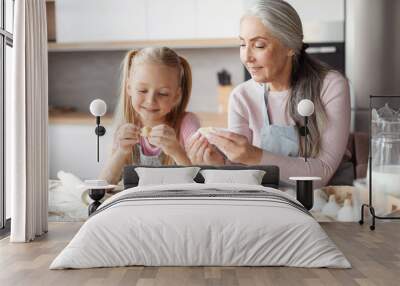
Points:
x=374 y=255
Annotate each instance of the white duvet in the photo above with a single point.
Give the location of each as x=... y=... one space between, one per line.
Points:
x=200 y=231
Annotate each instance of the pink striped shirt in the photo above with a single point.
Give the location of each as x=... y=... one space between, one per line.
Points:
x=189 y=126
x=245 y=117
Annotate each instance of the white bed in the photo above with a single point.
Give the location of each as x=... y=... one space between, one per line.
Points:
x=266 y=228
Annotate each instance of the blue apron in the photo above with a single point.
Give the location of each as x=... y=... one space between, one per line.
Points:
x=284 y=140
x=278 y=139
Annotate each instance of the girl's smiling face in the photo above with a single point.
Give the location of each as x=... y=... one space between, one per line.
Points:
x=154 y=91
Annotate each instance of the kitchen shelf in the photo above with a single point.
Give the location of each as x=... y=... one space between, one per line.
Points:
x=128 y=45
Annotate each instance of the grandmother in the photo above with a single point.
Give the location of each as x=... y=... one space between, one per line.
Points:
x=264 y=125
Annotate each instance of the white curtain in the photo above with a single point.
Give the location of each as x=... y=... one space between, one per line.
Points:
x=27 y=122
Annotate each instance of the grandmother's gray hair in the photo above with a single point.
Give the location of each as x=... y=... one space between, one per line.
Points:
x=282 y=20
x=308 y=74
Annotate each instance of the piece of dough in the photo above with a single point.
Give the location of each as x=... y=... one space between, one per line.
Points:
x=206 y=130
x=145 y=131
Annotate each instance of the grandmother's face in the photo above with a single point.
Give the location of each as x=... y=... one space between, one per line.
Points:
x=264 y=56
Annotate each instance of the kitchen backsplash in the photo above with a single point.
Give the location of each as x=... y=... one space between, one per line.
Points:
x=76 y=78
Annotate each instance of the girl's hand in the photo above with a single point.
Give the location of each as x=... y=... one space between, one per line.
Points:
x=213 y=157
x=200 y=152
x=164 y=137
x=126 y=137
x=236 y=147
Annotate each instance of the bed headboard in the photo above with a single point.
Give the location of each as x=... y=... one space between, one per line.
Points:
x=270 y=179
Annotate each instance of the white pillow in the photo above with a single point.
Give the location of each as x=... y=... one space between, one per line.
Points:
x=248 y=177
x=163 y=176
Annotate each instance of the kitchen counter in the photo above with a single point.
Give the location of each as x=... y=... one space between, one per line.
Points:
x=77 y=118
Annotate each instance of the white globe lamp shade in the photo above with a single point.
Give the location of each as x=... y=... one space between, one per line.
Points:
x=98 y=107
x=305 y=107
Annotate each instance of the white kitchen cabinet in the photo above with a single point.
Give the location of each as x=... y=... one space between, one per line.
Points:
x=72 y=148
x=319 y=10
x=171 y=19
x=218 y=18
x=134 y=20
x=100 y=20
x=313 y=10
x=323 y=20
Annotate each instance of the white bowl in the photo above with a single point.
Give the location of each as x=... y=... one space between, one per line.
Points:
x=96 y=183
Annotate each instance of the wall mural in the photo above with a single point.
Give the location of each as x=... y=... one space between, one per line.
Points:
x=186 y=102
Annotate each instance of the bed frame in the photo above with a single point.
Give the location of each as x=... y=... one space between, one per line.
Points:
x=270 y=179
x=131 y=178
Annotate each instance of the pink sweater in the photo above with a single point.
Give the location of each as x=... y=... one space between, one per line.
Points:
x=189 y=126
x=246 y=117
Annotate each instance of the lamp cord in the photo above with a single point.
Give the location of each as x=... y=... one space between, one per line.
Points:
x=305 y=139
x=98 y=141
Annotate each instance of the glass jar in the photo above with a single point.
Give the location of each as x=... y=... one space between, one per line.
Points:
x=385 y=141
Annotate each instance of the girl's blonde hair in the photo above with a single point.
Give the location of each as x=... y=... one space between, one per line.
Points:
x=155 y=55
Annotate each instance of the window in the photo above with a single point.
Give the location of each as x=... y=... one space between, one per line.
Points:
x=6 y=44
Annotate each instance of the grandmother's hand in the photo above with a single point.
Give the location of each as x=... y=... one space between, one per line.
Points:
x=200 y=152
x=236 y=147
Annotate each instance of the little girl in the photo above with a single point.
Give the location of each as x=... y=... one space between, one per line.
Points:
x=152 y=125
